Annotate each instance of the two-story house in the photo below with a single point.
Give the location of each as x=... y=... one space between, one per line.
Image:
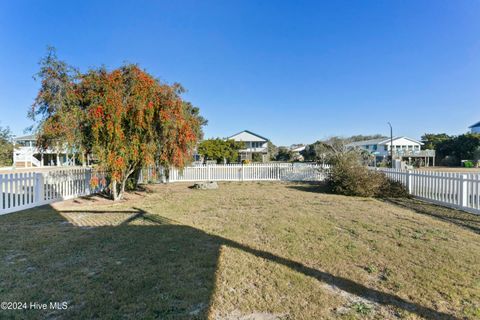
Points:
x=27 y=154
x=402 y=148
x=254 y=145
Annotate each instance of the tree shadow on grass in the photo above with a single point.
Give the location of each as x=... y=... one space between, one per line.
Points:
x=460 y=218
x=160 y=269
x=315 y=187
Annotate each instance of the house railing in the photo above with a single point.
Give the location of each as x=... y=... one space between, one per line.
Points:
x=413 y=153
x=457 y=190
x=27 y=158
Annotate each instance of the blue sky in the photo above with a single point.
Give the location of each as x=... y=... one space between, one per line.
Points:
x=293 y=71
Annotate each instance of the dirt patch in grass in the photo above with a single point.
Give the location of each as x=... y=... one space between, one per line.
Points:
x=244 y=251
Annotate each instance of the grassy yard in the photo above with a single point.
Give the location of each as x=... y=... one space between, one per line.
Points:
x=244 y=251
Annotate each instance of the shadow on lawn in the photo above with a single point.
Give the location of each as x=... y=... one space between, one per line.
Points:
x=460 y=218
x=161 y=270
x=315 y=187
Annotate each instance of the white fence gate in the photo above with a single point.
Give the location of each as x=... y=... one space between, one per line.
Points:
x=19 y=191
x=457 y=190
x=239 y=172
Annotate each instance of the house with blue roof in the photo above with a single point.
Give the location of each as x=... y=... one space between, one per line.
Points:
x=475 y=128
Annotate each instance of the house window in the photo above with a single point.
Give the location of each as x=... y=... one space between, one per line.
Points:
x=367 y=146
x=23 y=143
x=375 y=147
x=256 y=144
x=385 y=147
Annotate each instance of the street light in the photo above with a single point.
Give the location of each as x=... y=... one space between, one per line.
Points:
x=391 y=143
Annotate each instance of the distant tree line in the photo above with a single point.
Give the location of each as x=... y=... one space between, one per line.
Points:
x=450 y=150
x=6 y=147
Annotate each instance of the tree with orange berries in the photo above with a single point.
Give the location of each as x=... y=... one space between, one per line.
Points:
x=127 y=119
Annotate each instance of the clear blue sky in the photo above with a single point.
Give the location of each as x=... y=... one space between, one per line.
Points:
x=293 y=71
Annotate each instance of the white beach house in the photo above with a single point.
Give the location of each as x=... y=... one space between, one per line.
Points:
x=254 y=144
x=404 y=148
x=27 y=154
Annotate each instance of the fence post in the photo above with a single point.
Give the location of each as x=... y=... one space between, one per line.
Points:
x=463 y=190
x=243 y=173
x=2 y=205
x=409 y=182
x=208 y=172
x=88 y=178
x=39 y=188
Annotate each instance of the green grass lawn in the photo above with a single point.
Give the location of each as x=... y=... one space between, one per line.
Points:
x=244 y=251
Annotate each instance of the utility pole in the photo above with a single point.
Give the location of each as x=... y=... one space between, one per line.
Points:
x=391 y=143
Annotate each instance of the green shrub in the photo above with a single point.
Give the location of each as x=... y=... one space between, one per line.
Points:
x=130 y=185
x=468 y=164
x=257 y=157
x=349 y=177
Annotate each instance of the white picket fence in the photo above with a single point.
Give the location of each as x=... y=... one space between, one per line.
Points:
x=24 y=190
x=457 y=190
x=239 y=172
x=19 y=191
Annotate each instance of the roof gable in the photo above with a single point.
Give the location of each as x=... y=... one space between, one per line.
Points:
x=27 y=137
x=387 y=141
x=475 y=125
x=246 y=135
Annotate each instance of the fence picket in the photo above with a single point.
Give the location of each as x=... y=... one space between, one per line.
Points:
x=458 y=190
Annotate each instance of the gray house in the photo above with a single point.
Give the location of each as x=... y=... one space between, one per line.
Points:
x=254 y=144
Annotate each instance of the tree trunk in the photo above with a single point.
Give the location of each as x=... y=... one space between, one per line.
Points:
x=115 y=195
x=118 y=195
x=122 y=190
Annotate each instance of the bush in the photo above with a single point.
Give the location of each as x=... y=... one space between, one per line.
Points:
x=450 y=161
x=257 y=157
x=392 y=189
x=468 y=164
x=348 y=177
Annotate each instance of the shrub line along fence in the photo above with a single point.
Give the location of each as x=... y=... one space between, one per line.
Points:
x=24 y=190
x=456 y=190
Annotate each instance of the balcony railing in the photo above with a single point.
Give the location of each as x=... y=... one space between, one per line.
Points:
x=413 y=153
x=263 y=150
